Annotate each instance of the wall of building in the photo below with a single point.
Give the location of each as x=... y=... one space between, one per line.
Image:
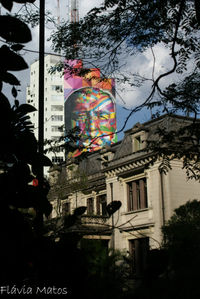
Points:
x=113 y=171
x=177 y=190
x=53 y=102
x=181 y=188
x=147 y=222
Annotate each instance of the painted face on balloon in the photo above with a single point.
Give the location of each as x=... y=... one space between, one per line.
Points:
x=93 y=111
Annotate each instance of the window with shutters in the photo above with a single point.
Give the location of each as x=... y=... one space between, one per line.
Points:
x=137 y=195
x=90 y=206
x=101 y=203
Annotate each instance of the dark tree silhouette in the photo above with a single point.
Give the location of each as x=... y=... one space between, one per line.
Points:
x=182 y=241
x=21 y=202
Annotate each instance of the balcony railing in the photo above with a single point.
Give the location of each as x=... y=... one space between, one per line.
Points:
x=95 y=220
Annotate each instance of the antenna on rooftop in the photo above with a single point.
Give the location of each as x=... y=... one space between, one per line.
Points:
x=58 y=12
x=74 y=11
x=73 y=19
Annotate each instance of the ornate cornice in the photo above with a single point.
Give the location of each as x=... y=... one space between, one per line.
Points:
x=124 y=167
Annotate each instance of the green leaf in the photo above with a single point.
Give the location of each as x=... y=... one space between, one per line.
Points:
x=28 y=124
x=17 y=47
x=4 y=103
x=25 y=144
x=14 y=92
x=80 y=211
x=24 y=1
x=16 y=103
x=23 y=118
x=9 y=60
x=25 y=108
x=197 y=8
x=44 y=160
x=14 y=30
x=21 y=171
x=8 y=4
x=47 y=208
x=39 y=160
x=9 y=78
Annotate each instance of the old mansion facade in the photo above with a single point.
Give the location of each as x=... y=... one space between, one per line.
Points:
x=122 y=173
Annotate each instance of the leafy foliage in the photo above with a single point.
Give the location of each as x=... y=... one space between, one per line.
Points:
x=22 y=204
x=182 y=231
x=107 y=270
x=183 y=95
x=182 y=242
x=180 y=257
x=14 y=27
x=19 y=146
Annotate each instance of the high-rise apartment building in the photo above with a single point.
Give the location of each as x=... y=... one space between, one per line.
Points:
x=53 y=103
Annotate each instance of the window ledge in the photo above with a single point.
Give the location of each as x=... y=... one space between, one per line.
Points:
x=94 y=216
x=136 y=211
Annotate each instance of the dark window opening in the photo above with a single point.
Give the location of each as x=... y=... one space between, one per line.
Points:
x=66 y=208
x=90 y=206
x=101 y=205
x=139 y=249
